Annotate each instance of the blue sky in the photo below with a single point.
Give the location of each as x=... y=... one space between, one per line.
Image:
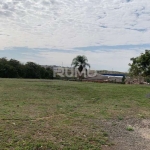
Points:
x=50 y=32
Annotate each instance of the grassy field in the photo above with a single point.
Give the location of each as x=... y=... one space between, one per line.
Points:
x=46 y=114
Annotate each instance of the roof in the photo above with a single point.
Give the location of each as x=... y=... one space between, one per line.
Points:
x=109 y=74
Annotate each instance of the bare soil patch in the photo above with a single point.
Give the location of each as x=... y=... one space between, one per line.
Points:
x=123 y=139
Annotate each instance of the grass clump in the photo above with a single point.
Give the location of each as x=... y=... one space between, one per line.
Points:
x=129 y=128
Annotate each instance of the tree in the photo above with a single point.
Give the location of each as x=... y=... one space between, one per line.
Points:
x=140 y=65
x=81 y=62
x=123 y=79
x=3 y=62
x=14 y=69
x=32 y=70
x=18 y=66
x=49 y=73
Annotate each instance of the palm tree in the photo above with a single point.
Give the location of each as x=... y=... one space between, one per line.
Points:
x=81 y=63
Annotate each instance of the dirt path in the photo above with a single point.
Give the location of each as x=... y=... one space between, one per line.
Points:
x=139 y=139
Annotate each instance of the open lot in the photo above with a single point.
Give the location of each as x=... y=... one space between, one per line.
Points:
x=49 y=114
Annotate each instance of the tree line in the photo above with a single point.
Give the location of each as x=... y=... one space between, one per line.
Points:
x=14 y=69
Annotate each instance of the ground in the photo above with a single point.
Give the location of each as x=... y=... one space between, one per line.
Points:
x=138 y=139
x=64 y=115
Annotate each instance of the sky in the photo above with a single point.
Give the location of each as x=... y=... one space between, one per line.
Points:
x=53 y=32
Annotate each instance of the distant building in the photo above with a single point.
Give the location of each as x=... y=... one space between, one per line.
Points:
x=97 y=78
x=104 y=78
x=53 y=67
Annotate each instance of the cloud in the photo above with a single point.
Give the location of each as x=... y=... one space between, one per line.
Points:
x=55 y=31
x=67 y=24
x=108 y=48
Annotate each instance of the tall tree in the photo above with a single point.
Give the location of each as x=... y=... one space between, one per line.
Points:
x=140 y=65
x=32 y=70
x=18 y=66
x=80 y=62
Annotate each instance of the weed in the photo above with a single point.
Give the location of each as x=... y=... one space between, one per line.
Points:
x=130 y=128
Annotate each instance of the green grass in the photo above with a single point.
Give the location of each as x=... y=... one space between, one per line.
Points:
x=46 y=114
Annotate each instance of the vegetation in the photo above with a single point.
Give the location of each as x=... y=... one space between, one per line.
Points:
x=81 y=62
x=14 y=69
x=147 y=79
x=63 y=115
x=123 y=79
x=130 y=128
x=140 y=65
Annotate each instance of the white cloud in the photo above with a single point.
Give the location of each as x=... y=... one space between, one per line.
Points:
x=67 y=24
